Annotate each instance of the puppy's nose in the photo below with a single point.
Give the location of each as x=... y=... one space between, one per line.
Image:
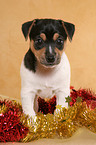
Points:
x=50 y=58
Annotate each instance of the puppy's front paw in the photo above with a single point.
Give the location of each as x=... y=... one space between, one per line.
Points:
x=57 y=110
x=60 y=110
x=30 y=112
x=35 y=125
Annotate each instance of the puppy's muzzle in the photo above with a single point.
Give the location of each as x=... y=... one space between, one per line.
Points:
x=50 y=58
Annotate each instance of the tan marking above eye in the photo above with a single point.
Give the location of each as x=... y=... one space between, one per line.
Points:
x=43 y=36
x=55 y=36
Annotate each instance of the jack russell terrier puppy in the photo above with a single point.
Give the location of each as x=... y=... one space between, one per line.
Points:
x=45 y=69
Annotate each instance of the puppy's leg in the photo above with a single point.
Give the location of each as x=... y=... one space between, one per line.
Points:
x=28 y=102
x=61 y=95
x=60 y=99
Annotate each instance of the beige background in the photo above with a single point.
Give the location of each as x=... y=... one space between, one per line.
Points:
x=81 y=52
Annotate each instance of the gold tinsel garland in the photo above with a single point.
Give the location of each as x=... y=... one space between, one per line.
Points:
x=63 y=123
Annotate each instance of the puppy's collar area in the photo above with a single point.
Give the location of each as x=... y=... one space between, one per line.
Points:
x=44 y=70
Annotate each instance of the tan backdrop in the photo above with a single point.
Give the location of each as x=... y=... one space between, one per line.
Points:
x=81 y=52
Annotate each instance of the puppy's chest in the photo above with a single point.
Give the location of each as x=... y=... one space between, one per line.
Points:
x=46 y=93
x=47 y=85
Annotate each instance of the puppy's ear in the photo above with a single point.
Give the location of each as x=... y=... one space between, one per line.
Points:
x=27 y=27
x=69 y=29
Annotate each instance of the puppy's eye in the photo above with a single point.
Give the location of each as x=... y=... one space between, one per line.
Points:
x=39 y=41
x=59 y=41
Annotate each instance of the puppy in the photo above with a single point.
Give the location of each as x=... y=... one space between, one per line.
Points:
x=45 y=69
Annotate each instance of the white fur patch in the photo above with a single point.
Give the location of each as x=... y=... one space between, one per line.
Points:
x=50 y=49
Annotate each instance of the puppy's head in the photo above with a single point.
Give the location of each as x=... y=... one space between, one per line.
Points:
x=47 y=39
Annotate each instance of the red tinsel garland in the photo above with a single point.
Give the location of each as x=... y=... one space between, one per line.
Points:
x=86 y=96
x=10 y=127
x=47 y=106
